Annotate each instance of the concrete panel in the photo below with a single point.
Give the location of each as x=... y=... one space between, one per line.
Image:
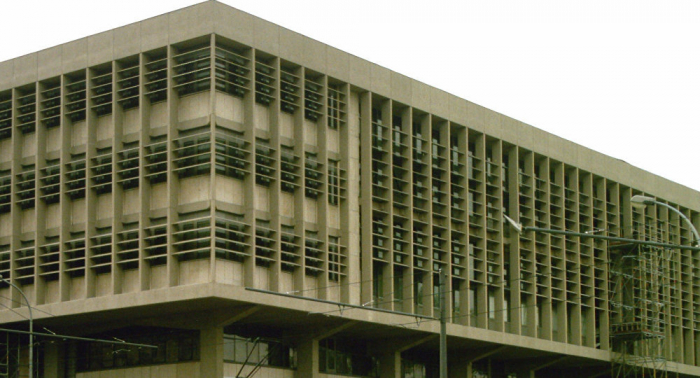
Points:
x=52 y=216
x=75 y=55
x=286 y=204
x=333 y=140
x=338 y=63
x=193 y=106
x=651 y=183
x=509 y=130
x=591 y=160
x=6 y=150
x=28 y=220
x=154 y=32
x=540 y=136
x=291 y=45
x=261 y=117
x=310 y=210
x=310 y=133
x=100 y=48
x=232 y=23
x=266 y=36
x=525 y=135
x=50 y=62
x=420 y=95
x=286 y=125
x=492 y=122
x=127 y=41
x=314 y=55
x=457 y=109
x=159 y=196
x=439 y=102
x=25 y=69
x=104 y=206
x=625 y=172
x=401 y=87
x=159 y=277
x=28 y=145
x=77 y=211
x=359 y=72
x=103 y=285
x=131 y=202
x=560 y=149
x=53 y=139
x=130 y=121
x=475 y=116
x=262 y=198
x=192 y=272
x=229 y=190
x=130 y=281
x=77 y=288
x=5 y=225
x=194 y=189
x=158 y=116
x=79 y=134
x=380 y=80
x=7 y=74
x=191 y=22
x=224 y=271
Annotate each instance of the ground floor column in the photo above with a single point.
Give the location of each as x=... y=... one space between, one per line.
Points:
x=211 y=352
x=390 y=364
x=53 y=361
x=458 y=368
x=307 y=359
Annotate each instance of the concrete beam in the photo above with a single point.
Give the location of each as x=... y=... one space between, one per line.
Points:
x=549 y=363
x=488 y=353
x=325 y=332
x=239 y=316
x=400 y=344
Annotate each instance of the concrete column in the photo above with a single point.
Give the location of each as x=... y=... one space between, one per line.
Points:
x=53 y=361
x=390 y=365
x=211 y=352
x=458 y=368
x=307 y=359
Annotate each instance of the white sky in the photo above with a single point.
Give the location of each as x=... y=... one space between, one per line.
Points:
x=620 y=77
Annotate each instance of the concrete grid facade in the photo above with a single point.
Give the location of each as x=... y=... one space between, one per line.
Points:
x=152 y=174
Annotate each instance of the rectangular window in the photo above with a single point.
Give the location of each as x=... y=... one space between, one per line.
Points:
x=398 y=285
x=377 y=284
x=418 y=291
x=335 y=262
x=333 y=182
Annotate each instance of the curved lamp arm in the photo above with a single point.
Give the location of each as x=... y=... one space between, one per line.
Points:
x=644 y=200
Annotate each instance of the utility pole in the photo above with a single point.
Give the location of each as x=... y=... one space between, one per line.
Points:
x=443 y=326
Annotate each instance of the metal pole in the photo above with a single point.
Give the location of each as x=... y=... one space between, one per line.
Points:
x=443 y=326
x=31 y=326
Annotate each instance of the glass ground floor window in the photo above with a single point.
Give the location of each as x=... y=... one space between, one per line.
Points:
x=412 y=369
x=174 y=345
x=337 y=356
x=258 y=350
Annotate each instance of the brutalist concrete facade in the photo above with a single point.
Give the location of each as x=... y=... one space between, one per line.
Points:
x=152 y=175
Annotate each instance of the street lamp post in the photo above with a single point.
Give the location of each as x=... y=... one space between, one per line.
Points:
x=641 y=201
x=31 y=326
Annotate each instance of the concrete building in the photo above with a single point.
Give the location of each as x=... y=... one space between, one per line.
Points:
x=246 y=198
